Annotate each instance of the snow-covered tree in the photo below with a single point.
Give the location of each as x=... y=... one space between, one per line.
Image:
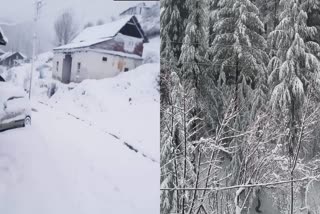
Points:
x=171 y=32
x=212 y=13
x=170 y=144
x=295 y=71
x=243 y=113
x=312 y=7
x=295 y=68
x=172 y=27
x=179 y=157
x=269 y=13
x=65 y=27
x=194 y=43
x=238 y=50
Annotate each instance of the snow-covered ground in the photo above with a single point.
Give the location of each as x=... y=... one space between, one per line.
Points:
x=127 y=106
x=62 y=165
x=93 y=147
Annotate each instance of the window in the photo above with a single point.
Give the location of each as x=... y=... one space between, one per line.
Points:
x=105 y=59
x=126 y=69
x=57 y=66
x=79 y=67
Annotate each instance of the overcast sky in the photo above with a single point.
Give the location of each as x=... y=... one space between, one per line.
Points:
x=22 y=12
x=85 y=10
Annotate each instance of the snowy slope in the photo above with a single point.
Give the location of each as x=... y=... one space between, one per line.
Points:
x=151 y=50
x=127 y=106
x=93 y=147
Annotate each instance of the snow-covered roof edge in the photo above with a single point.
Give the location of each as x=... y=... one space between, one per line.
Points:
x=103 y=51
x=106 y=30
x=136 y=21
x=117 y=53
x=9 y=54
x=80 y=45
x=143 y=4
x=85 y=40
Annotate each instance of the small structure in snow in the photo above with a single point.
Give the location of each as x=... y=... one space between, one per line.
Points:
x=3 y=38
x=2 y=79
x=11 y=59
x=2 y=52
x=139 y=9
x=101 y=51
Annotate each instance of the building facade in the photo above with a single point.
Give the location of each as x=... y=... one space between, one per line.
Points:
x=100 y=52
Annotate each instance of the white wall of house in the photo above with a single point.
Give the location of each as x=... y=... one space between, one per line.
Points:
x=92 y=65
x=57 y=65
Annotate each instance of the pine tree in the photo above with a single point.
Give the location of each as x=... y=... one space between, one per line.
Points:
x=312 y=8
x=294 y=71
x=172 y=27
x=171 y=32
x=213 y=9
x=269 y=13
x=170 y=146
x=295 y=67
x=238 y=50
x=194 y=43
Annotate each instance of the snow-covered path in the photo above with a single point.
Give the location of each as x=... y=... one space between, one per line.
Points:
x=62 y=165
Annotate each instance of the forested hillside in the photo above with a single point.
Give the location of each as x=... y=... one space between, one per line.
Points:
x=240 y=106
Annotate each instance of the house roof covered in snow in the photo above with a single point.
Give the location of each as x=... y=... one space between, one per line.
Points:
x=9 y=54
x=97 y=34
x=137 y=6
x=3 y=38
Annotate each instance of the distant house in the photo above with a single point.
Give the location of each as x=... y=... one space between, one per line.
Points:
x=10 y=59
x=100 y=52
x=139 y=9
x=3 y=39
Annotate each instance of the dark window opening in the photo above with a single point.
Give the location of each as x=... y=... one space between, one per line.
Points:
x=57 y=67
x=79 y=67
x=105 y=59
x=126 y=69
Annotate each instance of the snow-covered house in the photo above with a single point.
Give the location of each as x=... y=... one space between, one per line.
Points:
x=139 y=9
x=3 y=39
x=101 y=51
x=10 y=59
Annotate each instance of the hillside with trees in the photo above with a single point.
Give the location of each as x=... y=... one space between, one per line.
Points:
x=240 y=106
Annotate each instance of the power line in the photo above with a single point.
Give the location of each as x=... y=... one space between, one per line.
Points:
x=220 y=45
x=200 y=63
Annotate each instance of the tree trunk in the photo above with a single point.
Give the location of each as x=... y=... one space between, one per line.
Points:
x=185 y=151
